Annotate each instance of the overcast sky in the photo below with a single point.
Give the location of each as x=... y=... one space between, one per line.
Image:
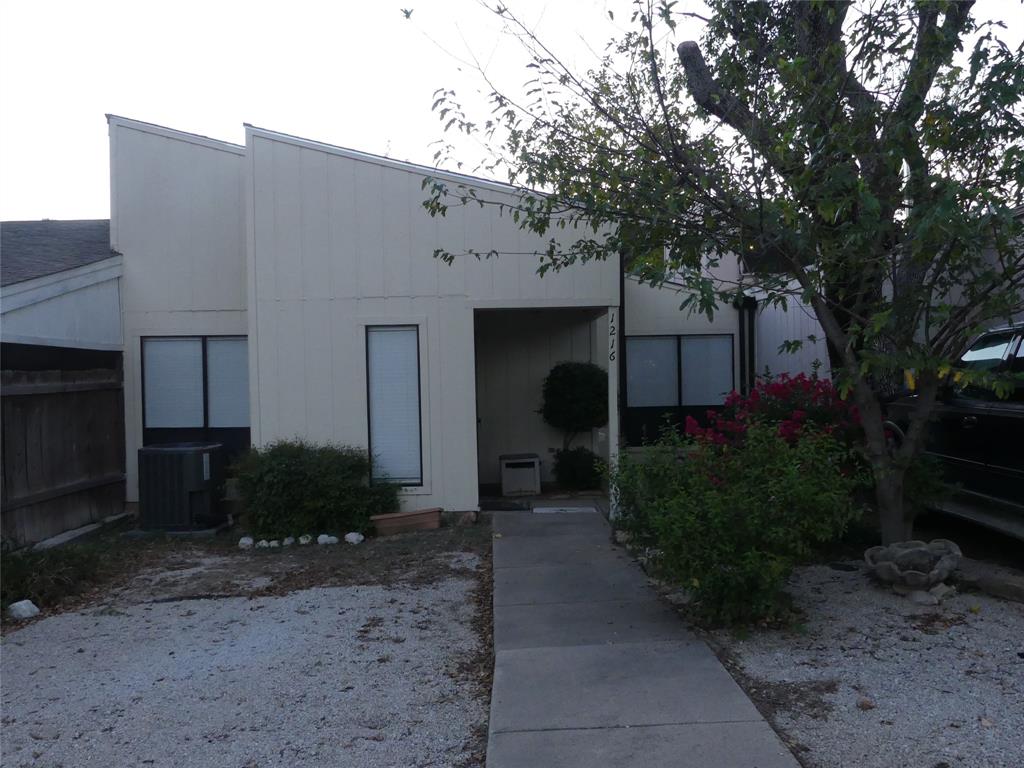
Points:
x=356 y=74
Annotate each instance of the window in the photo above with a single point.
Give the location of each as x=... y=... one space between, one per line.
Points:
x=227 y=376
x=393 y=403
x=173 y=373
x=987 y=352
x=652 y=371
x=195 y=382
x=673 y=371
x=1017 y=368
x=706 y=365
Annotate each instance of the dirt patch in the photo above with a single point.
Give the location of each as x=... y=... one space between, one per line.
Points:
x=166 y=569
x=477 y=668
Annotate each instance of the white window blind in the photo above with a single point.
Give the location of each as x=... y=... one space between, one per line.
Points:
x=393 y=384
x=706 y=369
x=227 y=373
x=651 y=371
x=173 y=370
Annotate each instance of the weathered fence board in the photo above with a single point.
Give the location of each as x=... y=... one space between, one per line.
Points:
x=63 y=451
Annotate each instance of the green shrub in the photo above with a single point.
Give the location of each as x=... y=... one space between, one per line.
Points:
x=729 y=522
x=292 y=487
x=575 y=398
x=577 y=469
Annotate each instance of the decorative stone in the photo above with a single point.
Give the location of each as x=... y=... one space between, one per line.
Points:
x=942 y=591
x=887 y=571
x=920 y=597
x=288 y=541
x=262 y=544
x=917 y=559
x=878 y=554
x=274 y=544
x=23 y=609
x=305 y=539
x=323 y=538
x=245 y=542
x=914 y=566
x=354 y=537
x=916 y=579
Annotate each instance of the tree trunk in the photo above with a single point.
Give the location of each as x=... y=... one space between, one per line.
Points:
x=886 y=472
x=894 y=523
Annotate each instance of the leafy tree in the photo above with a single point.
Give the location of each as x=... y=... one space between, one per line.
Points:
x=864 y=157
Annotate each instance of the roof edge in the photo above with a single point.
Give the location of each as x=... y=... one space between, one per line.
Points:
x=37 y=289
x=173 y=133
x=387 y=162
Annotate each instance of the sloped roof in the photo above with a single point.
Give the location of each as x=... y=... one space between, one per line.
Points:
x=31 y=249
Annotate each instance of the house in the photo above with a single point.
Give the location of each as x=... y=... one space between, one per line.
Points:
x=287 y=288
x=62 y=424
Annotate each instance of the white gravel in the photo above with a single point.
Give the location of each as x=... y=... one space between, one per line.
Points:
x=920 y=687
x=338 y=676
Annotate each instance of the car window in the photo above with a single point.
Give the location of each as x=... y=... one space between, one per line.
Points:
x=1017 y=367
x=987 y=352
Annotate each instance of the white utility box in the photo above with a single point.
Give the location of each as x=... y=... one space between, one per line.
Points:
x=520 y=474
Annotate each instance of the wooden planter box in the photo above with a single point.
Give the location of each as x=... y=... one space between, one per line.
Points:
x=413 y=520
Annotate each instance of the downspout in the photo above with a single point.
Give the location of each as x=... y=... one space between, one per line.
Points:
x=747 y=308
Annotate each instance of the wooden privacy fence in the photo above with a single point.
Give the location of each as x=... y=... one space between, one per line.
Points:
x=63 y=451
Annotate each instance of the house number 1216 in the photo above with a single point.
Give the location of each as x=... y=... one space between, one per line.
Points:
x=612 y=335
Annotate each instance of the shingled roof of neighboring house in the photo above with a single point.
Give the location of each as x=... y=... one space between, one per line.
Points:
x=31 y=249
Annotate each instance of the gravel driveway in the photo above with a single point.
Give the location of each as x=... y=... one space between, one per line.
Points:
x=874 y=681
x=322 y=676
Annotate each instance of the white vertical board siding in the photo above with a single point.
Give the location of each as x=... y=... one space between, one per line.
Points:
x=177 y=215
x=340 y=242
x=775 y=326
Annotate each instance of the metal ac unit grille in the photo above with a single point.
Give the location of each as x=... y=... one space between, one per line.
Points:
x=180 y=486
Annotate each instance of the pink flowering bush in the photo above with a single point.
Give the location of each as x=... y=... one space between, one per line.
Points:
x=796 y=405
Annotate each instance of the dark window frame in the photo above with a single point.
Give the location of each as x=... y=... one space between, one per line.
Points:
x=235 y=439
x=205 y=373
x=642 y=423
x=419 y=398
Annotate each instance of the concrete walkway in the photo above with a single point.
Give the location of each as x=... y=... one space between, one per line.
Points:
x=592 y=669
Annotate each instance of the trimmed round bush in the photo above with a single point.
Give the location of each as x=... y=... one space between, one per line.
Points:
x=575 y=398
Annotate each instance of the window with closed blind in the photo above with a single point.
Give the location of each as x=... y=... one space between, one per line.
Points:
x=195 y=381
x=671 y=377
x=393 y=404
